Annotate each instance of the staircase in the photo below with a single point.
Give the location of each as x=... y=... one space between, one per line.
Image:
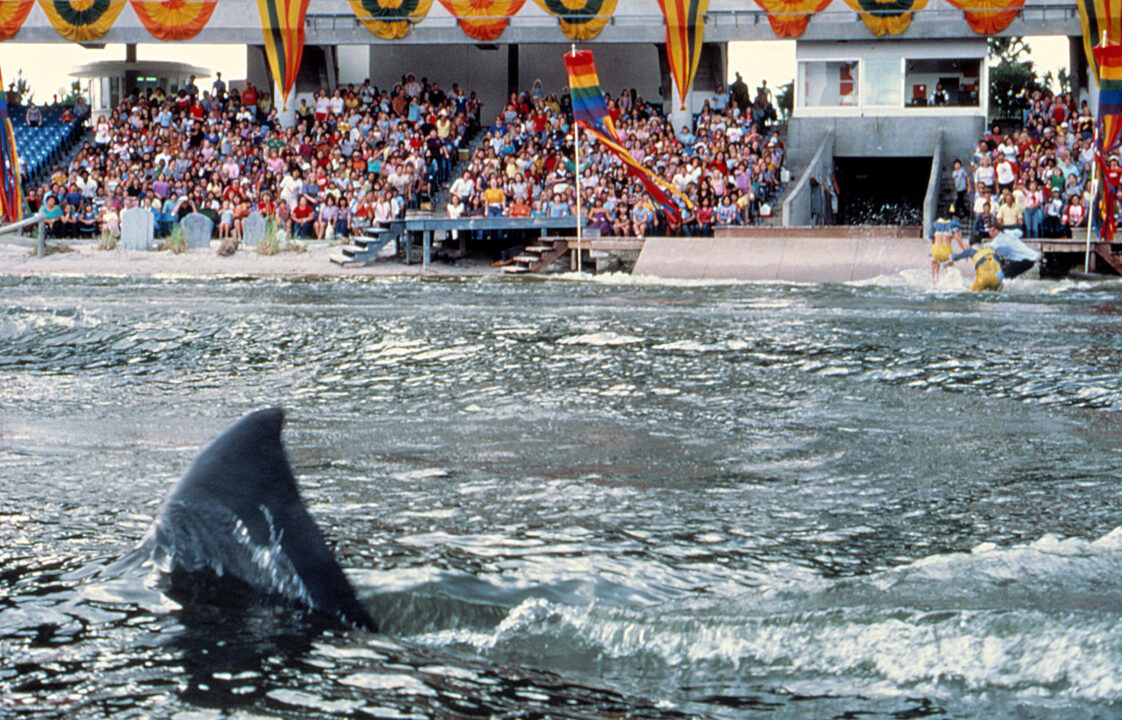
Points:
x=536 y=258
x=363 y=249
x=1111 y=256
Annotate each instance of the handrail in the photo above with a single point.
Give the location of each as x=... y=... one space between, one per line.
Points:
x=26 y=222
x=800 y=215
x=39 y=219
x=931 y=197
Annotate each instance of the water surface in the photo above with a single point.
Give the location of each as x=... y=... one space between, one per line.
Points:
x=580 y=498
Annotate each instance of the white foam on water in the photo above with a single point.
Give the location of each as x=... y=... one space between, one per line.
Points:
x=1039 y=620
x=600 y=339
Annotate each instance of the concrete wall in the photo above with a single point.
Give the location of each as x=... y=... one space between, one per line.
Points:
x=792 y=259
x=885 y=136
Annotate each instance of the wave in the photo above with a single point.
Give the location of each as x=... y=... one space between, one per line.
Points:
x=1039 y=620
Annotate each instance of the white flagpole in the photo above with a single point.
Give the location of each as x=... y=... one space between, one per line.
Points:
x=1094 y=187
x=576 y=174
x=1094 y=195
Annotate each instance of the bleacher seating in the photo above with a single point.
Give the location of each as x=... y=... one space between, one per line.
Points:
x=40 y=147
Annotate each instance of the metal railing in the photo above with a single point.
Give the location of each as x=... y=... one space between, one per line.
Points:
x=931 y=198
x=37 y=219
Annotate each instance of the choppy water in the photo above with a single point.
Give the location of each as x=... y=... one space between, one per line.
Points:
x=580 y=499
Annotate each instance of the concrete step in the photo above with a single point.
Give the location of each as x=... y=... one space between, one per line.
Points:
x=340 y=259
x=515 y=269
x=354 y=249
x=528 y=259
x=539 y=248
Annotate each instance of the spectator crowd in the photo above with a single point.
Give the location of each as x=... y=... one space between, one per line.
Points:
x=1036 y=178
x=357 y=155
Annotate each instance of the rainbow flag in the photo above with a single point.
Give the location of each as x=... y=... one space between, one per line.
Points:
x=589 y=107
x=11 y=196
x=590 y=111
x=1099 y=18
x=685 y=35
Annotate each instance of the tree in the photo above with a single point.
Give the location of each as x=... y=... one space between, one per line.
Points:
x=1012 y=80
x=23 y=88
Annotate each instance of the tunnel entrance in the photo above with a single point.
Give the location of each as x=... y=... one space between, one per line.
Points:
x=880 y=190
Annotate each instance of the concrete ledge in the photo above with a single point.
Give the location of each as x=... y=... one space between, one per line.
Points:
x=793 y=259
x=818 y=231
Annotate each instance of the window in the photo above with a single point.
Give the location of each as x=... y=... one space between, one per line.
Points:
x=883 y=85
x=829 y=83
x=942 y=82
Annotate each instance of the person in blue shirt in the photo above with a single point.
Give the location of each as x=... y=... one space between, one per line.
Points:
x=1003 y=258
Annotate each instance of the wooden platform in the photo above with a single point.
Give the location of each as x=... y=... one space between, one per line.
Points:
x=1071 y=246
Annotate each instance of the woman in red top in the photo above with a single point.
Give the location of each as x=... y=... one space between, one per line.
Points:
x=303 y=216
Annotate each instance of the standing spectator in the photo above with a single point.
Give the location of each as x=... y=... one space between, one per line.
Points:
x=34 y=116
x=961 y=180
x=218 y=88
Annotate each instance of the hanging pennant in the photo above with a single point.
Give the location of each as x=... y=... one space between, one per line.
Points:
x=174 y=19
x=282 y=23
x=580 y=19
x=1099 y=18
x=987 y=17
x=82 y=20
x=12 y=15
x=886 y=16
x=484 y=20
x=788 y=18
x=11 y=195
x=390 y=19
x=685 y=33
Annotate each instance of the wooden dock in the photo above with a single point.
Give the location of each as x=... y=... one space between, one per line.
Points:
x=1100 y=251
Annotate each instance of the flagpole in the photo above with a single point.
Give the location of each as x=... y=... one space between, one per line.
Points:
x=576 y=173
x=1094 y=195
x=1095 y=183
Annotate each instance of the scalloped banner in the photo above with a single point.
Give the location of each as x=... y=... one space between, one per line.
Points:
x=886 y=16
x=789 y=18
x=484 y=20
x=390 y=19
x=580 y=19
x=174 y=19
x=12 y=15
x=987 y=17
x=82 y=20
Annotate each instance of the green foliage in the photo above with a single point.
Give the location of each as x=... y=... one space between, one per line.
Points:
x=23 y=88
x=270 y=242
x=1012 y=80
x=785 y=99
x=75 y=93
x=177 y=242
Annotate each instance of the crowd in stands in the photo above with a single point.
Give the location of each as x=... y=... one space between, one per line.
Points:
x=357 y=155
x=1037 y=178
x=354 y=156
x=725 y=165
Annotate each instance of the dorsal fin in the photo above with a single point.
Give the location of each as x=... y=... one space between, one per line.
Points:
x=237 y=512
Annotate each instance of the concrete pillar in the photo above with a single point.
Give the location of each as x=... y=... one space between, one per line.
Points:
x=1082 y=84
x=130 y=52
x=286 y=109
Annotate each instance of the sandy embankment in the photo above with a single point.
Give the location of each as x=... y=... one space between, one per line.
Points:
x=15 y=259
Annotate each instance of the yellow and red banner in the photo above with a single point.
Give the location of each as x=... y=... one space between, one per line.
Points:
x=685 y=34
x=282 y=24
x=886 y=16
x=82 y=20
x=1101 y=20
x=580 y=19
x=788 y=18
x=987 y=17
x=390 y=19
x=484 y=20
x=12 y=15
x=174 y=19
x=11 y=194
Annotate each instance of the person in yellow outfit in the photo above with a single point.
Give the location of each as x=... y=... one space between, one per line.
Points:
x=944 y=230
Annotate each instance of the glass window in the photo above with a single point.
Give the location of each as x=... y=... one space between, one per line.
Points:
x=942 y=82
x=883 y=86
x=828 y=83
